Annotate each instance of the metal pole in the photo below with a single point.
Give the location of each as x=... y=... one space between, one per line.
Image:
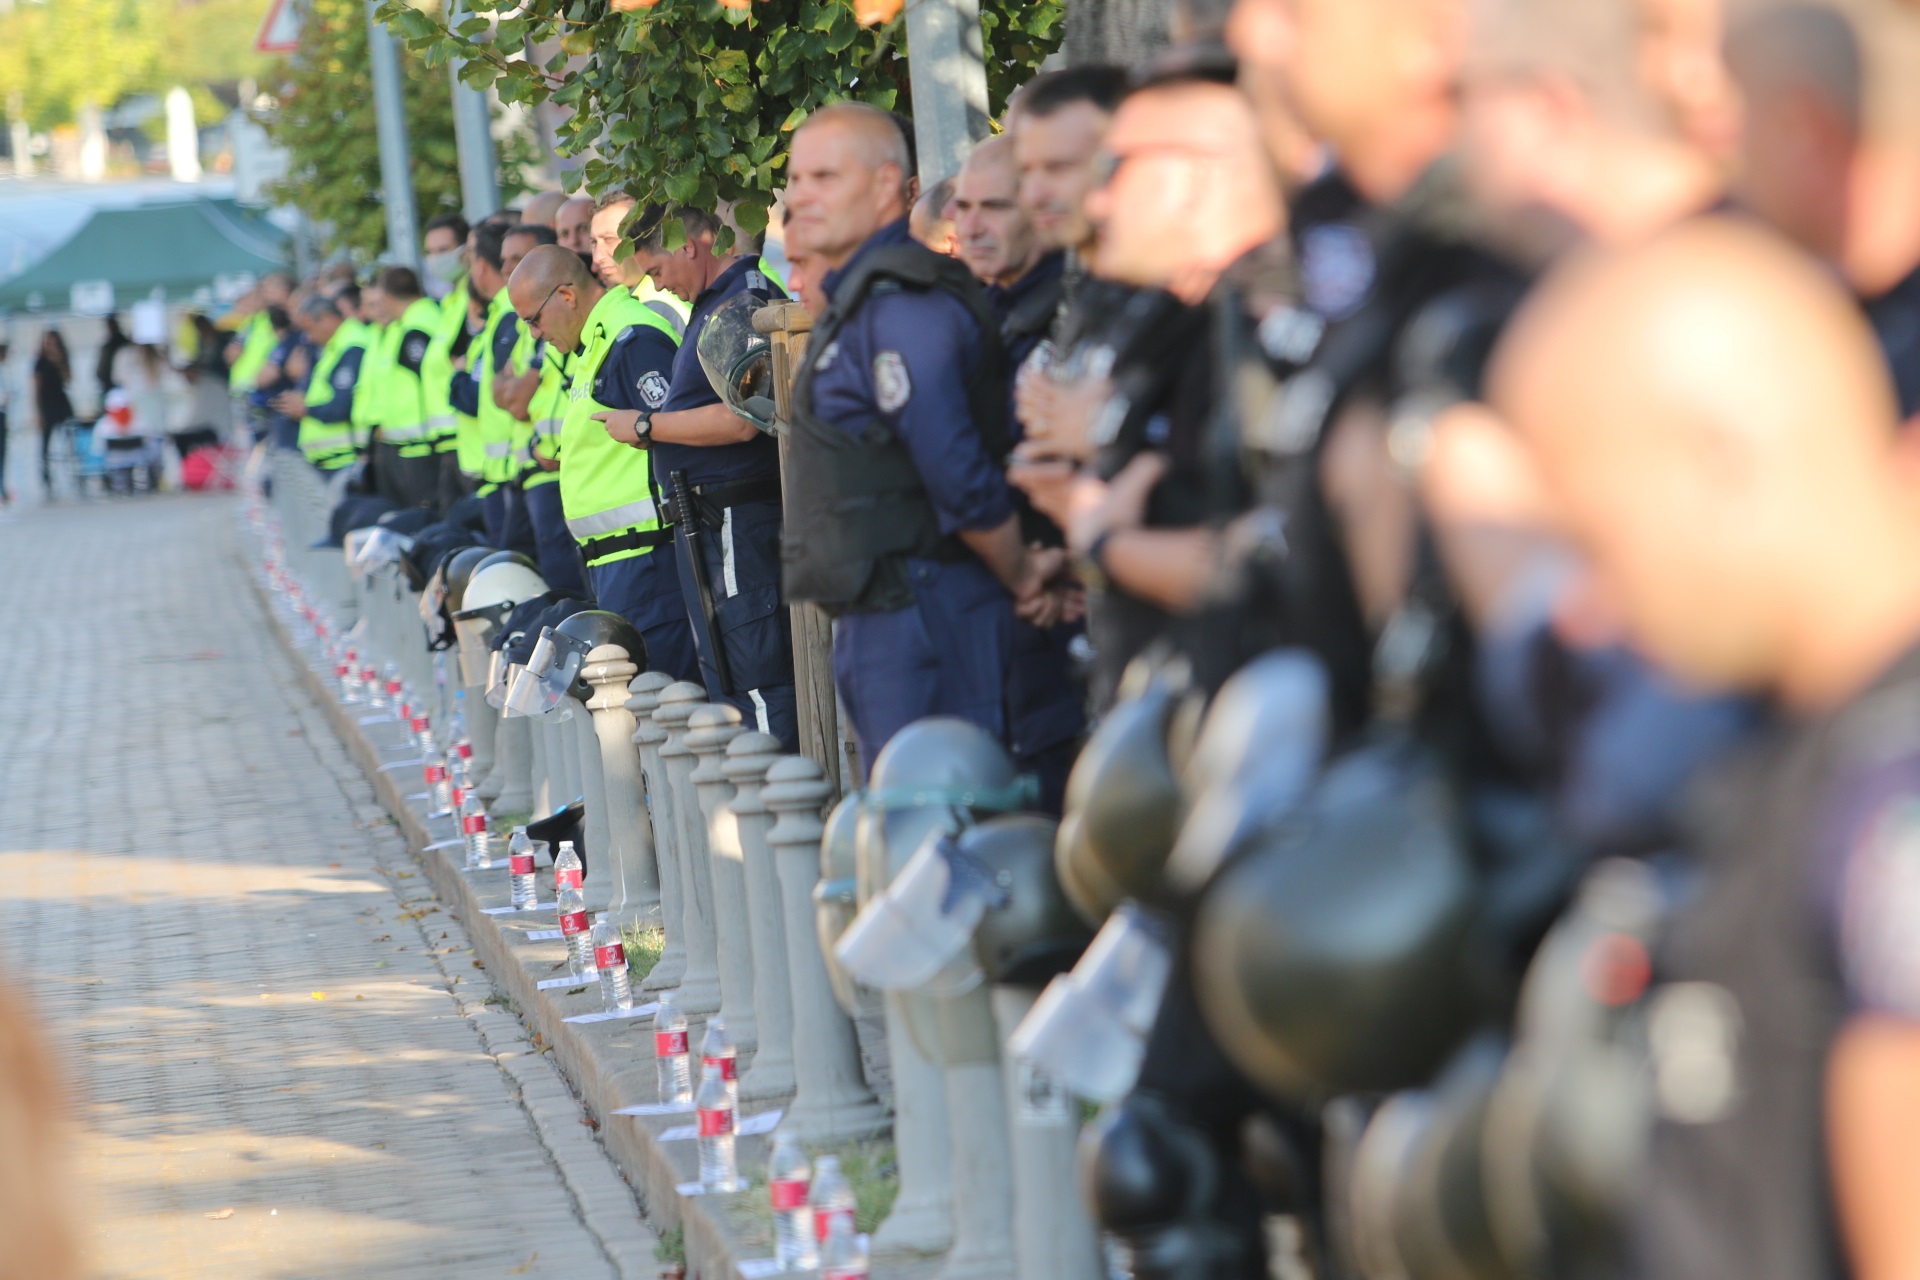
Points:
x=946 y=52
x=473 y=141
x=396 y=166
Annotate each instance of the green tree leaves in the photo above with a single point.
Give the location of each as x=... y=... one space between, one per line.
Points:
x=690 y=102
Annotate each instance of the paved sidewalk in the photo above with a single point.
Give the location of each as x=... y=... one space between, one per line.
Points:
x=261 y=1008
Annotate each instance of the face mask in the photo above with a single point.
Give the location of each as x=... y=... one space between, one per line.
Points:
x=445 y=265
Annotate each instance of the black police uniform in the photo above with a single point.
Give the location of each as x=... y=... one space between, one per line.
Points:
x=509 y=526
x=1895 y=317
x=734 y=494
x=1046 y=707
x=1808 y=916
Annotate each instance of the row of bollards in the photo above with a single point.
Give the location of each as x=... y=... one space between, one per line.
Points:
x=693 y=825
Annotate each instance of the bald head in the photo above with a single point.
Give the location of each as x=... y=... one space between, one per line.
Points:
x=1714 y=423
x=847 y=176
x=552 y=293
x=997 y=238
x=540 y=208
x=573 y=224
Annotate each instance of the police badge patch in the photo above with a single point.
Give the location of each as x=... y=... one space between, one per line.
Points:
x=415 y=349
x=653 y=388
x=891 y=386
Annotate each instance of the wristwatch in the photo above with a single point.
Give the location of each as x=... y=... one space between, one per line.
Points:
x=643 y=431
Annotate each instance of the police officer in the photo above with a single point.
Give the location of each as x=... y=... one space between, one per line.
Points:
x=392 y=398
x=1784 y=1031
x=623 y=357
x=489 y=440
x=250 y=347
x=616 y=268
x=1026 y=283
x=532 y=390
x=903 y=403
x=730 y=471
x=445 y=242
x=325 y=408
x=286 y=369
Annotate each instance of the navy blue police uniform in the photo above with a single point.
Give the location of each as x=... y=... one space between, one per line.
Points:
x=1046 y=707
x=645 y=590
x=736 y=498
x=936 y=640
x=507 y=523
x=557 y=554
x=284 y=432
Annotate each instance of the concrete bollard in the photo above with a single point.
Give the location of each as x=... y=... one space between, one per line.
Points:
x=483 y=730
x=563 y=763
x=629 y=833
x=596 y=830
x=648 y=736
x=745 y=766
x=1053 y=1236
x=831 y=1101
x=513 y=764
x=977 y=1129
x=700 y=986
x=922 y=1219
x=540 y=785
x=709 y=729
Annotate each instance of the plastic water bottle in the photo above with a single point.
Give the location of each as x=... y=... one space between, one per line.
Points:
x=670 y=1050
x=392 y=686
x=795 y=1247
x=376 y=688
x=422 y=732
x=349 y=673
x=439 y=786
x=610 y=959
x=843 y=1256
x=458 y=784
x=831 y=1198
x=473 y=825
x=717 y=1052
x=568 y=872
x=520 y=870
x=578 y=932
x=457 y=719
x=713 y=1108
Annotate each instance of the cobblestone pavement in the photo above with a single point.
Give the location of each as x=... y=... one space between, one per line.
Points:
x=282 y=1059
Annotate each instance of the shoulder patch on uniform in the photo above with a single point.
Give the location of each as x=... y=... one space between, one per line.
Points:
x=415 y=348
x=653 y=388
x=626 y=333
x=1336 y=269
x=892 y=388
x=827 y=356
x=342 y=379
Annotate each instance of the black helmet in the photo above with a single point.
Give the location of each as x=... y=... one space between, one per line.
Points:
x=1034 y=932
x=459 y=570
x=1339 y=954
x=551 y=671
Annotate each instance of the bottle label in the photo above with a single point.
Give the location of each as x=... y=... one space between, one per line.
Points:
x=459 y=796
x=669 y=1044
x=613 y=957
x=436 y=773
x=475 y=824
x=568 y=879
x=465 y=749
x=716 y=1122
x=823 y=1219
x=520 y=864
x=854 y=1272
x=788 y=1194
x=572 y=922
x=728 y=1065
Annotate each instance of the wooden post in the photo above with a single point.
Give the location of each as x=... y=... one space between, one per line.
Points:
x=788 y=325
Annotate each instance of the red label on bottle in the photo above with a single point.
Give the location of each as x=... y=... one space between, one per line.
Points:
x=572 y=922
x=393 y=686
x=854 y=1272
x=727 y=1065
x=474 y=823
x=520 y=864
x=613 y=957
x=788 y=1194
x=406 y=713
x=669 y=1044
x=568 y=879
x=823 y=1221
x=459 y=796
x=465 y=749
x=419 y=724
x=716 y=1122
x=436 y=773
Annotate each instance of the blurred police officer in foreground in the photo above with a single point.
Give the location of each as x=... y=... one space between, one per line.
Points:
x=724 y=475
x=1716 y=429
x=325 y=407
x=445 y=243
x=623 y=359
x=903 y=400
x=393 y=397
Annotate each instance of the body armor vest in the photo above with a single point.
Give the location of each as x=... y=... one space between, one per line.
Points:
x=857 y=507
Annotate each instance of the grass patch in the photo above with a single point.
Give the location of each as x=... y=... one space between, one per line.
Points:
x=672 y=1247
x=508 y=821
x=503 y=1001
x=644 y=944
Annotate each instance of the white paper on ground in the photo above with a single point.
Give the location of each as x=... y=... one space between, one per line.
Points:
x=765 y=1122
x=403 y=764
x=754 y=1268
x=506 y=910
x=448 y=844
x=657 y=1109
x=544 y=935
x=569 y=981
x=615 y=1015
x=691 y=1189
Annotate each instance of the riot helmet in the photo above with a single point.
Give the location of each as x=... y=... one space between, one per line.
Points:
x=541 y=685
x=1089 y=1028
x=1337 y=955
x=557 y=660
x=835 y=903
x=738 y=359
x=458 y=572
x=497 y=583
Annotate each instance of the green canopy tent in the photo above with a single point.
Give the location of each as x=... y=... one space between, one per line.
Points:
x=176 y=248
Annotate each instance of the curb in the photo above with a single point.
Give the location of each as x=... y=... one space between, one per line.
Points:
x=607 y=1065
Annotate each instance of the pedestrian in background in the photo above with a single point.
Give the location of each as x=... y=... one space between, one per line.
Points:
x=116 y=341
x=52 y=373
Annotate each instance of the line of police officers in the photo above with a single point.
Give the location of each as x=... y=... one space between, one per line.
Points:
x=1207 y=381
